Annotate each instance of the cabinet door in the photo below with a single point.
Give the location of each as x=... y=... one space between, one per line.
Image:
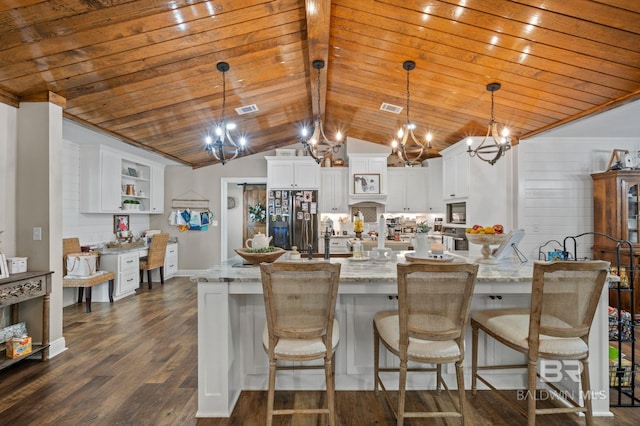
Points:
x=434 y=203
x=333 y=190
x=280 y=174
x=397 y=190
x=306 y=174
x=455 y=175
x=360 y=312
x=110 y=189
x=157 y=190
x=416 y=184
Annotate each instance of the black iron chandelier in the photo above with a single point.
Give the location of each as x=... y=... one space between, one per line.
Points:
x=496 y=142
x=224 y=148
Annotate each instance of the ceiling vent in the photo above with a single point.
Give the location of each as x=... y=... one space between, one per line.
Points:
x=391 y=108
x=247 y=109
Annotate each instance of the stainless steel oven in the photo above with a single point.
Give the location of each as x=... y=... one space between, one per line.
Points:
x=454 y=238
x=457 y=213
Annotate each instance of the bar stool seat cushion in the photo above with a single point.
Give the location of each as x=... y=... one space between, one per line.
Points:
x=513 y=326
x=388 y=324
x=305 y=347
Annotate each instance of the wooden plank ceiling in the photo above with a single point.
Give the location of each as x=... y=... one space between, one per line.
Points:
x=145 y=70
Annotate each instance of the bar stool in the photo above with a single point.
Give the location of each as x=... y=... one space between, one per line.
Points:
x=428 y=327
x=300 y=302
x=564 y=298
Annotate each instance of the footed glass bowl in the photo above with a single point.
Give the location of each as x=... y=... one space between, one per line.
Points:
x=485 y=240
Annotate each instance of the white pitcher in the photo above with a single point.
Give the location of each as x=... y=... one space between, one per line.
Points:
x=259 y=241
x=421 y=245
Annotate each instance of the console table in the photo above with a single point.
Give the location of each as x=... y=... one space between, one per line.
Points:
x=19 y=288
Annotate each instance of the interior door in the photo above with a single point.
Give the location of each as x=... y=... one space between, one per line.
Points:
x=253 y=195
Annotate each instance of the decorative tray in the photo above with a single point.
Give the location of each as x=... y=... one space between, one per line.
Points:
x=445 y=257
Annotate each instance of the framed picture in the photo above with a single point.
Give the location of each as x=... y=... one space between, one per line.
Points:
x=4 y=272
x=133 y=172
x=366 y=183
x=120 y=222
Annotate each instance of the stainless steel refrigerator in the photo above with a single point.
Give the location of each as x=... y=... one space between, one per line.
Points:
x=293 y=219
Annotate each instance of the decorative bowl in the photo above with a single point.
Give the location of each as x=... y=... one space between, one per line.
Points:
x=485 y=240
x=256 y=258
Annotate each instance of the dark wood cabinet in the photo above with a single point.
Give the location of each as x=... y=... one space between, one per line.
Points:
x=616 y=212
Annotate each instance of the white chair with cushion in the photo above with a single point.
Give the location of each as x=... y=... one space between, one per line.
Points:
x=429 y=326
x=564 y=298
x=300 y=302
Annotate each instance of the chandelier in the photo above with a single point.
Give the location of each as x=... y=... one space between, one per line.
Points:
x=496 y=143
x=410 y=149
x=224 y=148
x=318 y=145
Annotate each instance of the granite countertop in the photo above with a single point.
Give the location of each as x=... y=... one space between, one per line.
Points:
x=122 y=250
x=370 y=270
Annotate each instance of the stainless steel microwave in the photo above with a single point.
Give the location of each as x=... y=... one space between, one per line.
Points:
x=457 y=213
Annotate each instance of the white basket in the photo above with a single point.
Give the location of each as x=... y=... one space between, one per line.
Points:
x=81 y=265
x=15 y=265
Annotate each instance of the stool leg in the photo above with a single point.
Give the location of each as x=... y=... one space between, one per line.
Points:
x=80 y=294
x=88 y=299
x=149 y=277
x=162 y=275
x=111 y=291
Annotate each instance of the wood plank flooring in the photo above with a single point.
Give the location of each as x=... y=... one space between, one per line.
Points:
x=135 y=363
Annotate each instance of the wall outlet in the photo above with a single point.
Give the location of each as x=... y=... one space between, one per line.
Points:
x=536 y=228
x=214 y=223
x=37 y=233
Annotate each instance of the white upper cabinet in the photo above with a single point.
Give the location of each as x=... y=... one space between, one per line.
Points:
x=292 y=172
x=435 y=203
x=110 y=183
x=333 y=190
x=455 y=172
x=408 y=190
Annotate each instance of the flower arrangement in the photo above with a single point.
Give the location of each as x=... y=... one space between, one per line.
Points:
x=422 y=227
x=257 y=213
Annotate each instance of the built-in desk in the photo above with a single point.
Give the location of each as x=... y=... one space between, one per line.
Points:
x=231 y=319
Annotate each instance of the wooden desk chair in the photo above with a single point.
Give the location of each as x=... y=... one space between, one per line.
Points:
x=154 y=258
x=429 y=327
x=564 y=298
x=72 y=245
x=300 y=303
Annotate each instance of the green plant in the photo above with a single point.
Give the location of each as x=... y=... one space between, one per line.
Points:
x=422 y=227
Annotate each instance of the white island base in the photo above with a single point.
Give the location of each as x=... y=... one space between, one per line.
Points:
x=231 y=319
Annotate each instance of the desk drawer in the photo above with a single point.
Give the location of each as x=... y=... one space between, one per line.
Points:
x=128 y=282
x=129 y=262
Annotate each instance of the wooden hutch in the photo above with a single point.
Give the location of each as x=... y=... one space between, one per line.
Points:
x=616 y=212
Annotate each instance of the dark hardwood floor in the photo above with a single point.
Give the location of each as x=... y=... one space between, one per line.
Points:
x=135 y=363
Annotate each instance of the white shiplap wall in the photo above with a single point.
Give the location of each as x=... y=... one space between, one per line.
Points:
x=555 y=190
x=90 y=228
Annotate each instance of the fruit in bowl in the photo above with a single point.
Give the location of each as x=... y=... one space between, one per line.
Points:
x=486 y=240
x=256 y=256
x=479 y=229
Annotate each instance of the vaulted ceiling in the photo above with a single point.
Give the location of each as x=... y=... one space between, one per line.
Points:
x=145 y=71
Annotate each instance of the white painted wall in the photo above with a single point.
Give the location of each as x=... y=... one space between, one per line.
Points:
x=555 y=190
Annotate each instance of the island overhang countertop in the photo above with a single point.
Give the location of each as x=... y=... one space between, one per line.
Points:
x=352 y=271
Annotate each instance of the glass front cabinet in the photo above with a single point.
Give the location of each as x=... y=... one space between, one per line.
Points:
x=616 y=212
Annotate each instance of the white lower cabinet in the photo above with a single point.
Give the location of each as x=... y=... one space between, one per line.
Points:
x=170 y=268
x=127 y=271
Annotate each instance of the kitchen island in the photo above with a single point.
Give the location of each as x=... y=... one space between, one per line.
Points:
x=231 y=319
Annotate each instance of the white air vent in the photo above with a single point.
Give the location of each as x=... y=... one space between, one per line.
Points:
x=391 y=108
x=247 y=109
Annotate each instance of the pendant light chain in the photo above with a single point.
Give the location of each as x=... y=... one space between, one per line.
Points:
x=318 y=87
x=408 y=94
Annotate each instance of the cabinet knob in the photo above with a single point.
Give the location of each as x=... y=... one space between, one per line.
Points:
x=452 y=195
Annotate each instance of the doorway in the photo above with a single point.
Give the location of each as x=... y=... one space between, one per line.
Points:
x=254 y=196
x=234 y=213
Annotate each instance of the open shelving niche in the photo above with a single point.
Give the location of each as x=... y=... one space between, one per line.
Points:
x=141 y=182
x=626 y=391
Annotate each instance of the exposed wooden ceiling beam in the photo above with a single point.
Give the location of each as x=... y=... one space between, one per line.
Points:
x=318 y=14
